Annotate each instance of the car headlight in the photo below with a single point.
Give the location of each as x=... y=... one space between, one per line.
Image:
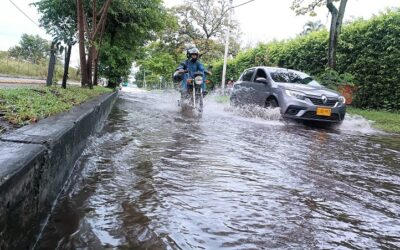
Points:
x=342 y=100
x=296 y=94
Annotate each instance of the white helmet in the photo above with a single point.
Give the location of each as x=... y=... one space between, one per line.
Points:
x=192 y=51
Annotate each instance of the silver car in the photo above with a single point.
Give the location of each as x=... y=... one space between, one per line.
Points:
x=297 y=94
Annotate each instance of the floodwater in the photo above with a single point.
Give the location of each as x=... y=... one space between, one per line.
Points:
x=155 y=178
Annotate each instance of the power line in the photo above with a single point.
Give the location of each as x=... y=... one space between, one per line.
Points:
x=24 y=13
x=238 y=4
x=232 y=7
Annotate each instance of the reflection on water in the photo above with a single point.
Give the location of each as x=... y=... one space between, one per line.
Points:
x=155 y=179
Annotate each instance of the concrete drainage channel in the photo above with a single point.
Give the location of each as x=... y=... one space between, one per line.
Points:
x=35 y=163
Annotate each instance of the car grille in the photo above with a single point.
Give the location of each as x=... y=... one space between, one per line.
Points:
x=318 y=101
x=313 y=115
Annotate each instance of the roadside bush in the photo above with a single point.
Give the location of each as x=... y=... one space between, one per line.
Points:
x=370 y=51
x=332 y=79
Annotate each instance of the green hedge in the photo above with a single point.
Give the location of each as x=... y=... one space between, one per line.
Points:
x=368 y=49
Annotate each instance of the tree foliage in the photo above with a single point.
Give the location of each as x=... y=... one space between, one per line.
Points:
x=204 y=23
x=302 y=7
x=58 y=18
x=32 y=48
x=203 y=19
x=131 y=24
x=311 y=26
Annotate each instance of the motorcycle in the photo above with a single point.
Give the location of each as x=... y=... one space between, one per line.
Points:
x=192 y=98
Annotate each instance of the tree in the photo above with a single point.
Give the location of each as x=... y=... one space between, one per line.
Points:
x=59 y=20
x=110 y=32
x=336 y=21
x=31 y=48
x=204 y=22
x=64 y=18
x=157 y=61
x=311 y=27
x=161 y=57
x=131 y=24
x=91 y=33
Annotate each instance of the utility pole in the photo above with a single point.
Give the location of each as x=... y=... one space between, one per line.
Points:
x=231 y=7
x=226 y=47
x=144 y=78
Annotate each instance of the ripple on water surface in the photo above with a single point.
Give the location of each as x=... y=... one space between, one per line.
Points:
x=234 y=179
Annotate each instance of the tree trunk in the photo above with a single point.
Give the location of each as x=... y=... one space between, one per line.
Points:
x=87 y=65
x=334 y=33
x=82 y=52
x=95 y=67
x=90 y=65
x=52 y=63
x=66 y=66
x=332 y=42
x=97 y=54
x=91 y=47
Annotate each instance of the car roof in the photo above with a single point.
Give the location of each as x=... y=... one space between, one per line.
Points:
x=273 y=69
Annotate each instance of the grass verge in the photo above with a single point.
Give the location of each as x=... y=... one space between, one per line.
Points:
x=384 y=120
x=15 y=67
x=22 y=106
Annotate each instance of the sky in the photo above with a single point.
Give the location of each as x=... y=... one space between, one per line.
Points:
x=260 y=20
x=265 y=20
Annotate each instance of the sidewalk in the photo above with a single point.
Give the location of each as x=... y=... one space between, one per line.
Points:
x=13 y=82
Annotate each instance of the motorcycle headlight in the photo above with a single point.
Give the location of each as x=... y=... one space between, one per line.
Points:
x=342 y=100
x=198 y=80
x=296 y=94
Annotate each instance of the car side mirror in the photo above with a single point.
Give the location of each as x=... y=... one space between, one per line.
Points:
x=262 y=80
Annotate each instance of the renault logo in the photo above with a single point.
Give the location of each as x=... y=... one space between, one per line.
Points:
x=324 y=99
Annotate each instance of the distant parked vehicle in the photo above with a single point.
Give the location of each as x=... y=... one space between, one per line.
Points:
x=297 y=95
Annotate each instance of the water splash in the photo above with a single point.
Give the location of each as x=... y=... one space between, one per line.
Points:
x=357 y=123
x=217 y=105
x=252 y=111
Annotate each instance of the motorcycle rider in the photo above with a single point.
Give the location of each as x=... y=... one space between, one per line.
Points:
x=187 y=68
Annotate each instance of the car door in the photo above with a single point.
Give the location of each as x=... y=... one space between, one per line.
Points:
x=260 y=89
x=247 y=90
x=242 y=90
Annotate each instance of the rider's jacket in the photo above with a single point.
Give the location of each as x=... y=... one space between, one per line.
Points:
x=191 y=67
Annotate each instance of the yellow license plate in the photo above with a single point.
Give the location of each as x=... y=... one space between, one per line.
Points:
x=324 y=111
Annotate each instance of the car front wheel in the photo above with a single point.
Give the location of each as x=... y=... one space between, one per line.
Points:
x=271 y=103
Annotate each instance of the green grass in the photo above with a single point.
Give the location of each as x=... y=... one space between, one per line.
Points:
x=384 y=120
x=10 y=66
x=22 y=106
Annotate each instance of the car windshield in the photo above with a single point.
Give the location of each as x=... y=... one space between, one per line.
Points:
x=287 y=76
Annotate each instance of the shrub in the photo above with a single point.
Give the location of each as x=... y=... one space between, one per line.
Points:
x=333 y=79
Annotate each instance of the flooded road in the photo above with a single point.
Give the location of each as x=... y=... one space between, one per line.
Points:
x=233 y=179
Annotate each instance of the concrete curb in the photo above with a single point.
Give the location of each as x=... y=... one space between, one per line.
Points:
x=36 y=161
